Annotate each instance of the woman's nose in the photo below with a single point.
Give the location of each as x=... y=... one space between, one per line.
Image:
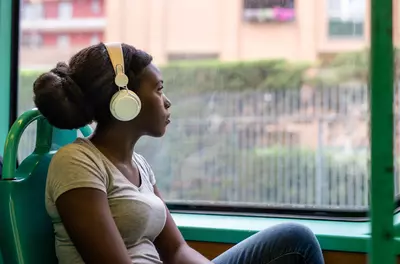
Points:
x=167 y=102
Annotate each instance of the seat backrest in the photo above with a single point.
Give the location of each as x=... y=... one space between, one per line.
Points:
x=26 y=231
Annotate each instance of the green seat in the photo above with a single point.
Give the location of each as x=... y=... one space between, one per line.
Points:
x=26 y=232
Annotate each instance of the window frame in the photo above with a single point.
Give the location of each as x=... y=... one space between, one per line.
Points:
x=286 y=212
x=383 y=230
x=331 y=234
x=9 y=13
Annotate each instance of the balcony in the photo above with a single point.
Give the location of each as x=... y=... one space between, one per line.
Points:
x=61 y=25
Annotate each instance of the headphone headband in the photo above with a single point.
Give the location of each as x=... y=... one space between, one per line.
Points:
x=116 y=56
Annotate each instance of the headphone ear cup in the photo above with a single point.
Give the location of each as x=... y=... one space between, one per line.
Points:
x=125 y=105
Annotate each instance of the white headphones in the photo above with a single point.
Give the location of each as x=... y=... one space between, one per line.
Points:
x=125 y=105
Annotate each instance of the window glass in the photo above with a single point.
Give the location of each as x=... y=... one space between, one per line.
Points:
x=95 y=39
x=346 y=18
x=63 y=40
x=32 y=11
x=95 y=7
x=266 y=112
x=65 y=10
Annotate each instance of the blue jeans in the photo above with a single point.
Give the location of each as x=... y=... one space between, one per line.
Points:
x=281 y=244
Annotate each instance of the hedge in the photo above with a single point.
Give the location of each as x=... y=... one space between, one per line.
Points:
x=197 y=77
x=234 y=76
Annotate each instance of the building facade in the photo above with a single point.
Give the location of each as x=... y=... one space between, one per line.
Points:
x=300 y=30
x=52 y=29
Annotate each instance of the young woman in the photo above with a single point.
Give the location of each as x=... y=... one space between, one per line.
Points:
x=102 y=196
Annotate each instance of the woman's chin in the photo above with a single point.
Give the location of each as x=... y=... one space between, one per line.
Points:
x=159 y=133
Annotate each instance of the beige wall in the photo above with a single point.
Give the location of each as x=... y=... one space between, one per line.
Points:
x=162 y=27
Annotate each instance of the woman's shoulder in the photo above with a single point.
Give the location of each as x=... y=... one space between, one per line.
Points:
x=80 y=149
x=75 y=165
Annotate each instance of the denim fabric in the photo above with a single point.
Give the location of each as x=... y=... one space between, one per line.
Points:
x=281 y=244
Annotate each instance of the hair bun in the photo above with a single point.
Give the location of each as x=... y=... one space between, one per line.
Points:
x=61 y=70
x=61 y=100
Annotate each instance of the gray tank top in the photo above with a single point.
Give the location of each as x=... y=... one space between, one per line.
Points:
x=138 y=213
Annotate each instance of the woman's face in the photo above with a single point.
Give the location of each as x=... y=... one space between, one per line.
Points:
x=154 y=115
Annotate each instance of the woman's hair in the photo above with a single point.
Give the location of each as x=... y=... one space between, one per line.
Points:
x=72 y=96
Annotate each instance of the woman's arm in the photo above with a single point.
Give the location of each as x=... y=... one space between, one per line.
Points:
x=87 y=218
x=78 y=187
x=171 y=246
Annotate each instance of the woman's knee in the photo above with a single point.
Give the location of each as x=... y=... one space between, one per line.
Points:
x=297 y=231
x=283 y=243
x=289 y=237
x=291 y=231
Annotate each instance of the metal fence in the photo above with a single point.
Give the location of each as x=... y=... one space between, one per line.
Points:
x=303 y=147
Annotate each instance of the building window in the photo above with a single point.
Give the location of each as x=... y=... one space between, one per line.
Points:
x=95 y=6
x=268 y=10
x=94 y=39
x=32 y=11
x=63 y=41
x=65 y=10
x=346 y=18
x=31 y=40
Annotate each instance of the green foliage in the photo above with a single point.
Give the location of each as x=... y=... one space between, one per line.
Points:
x=188 y=78
x=199 y=77
x=25 y=93
x=188 y=83
x=349 y=67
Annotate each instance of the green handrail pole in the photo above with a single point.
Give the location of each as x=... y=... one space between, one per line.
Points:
x=5 y=74
x=382 y=158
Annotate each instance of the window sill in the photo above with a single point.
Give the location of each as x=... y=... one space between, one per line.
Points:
x=332 y=235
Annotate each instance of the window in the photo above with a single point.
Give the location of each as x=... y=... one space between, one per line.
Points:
x=65 y=10
x=94 y=39
x=268 y=10
x=95 y=6
x=32 y=11
x=346 y=18
x=252 y=126
x=63 y=41
x=31 y=40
